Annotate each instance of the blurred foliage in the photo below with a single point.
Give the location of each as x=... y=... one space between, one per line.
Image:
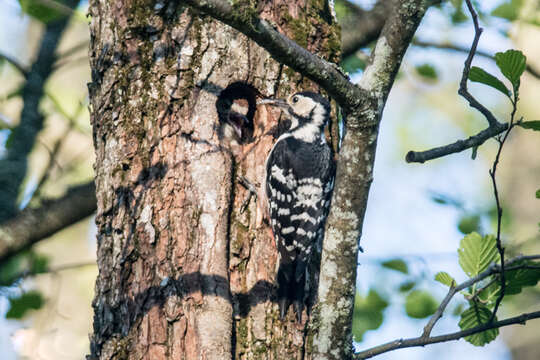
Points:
x=469 y=223
x=397 y=265
x=44 y=11
x=353 y=64
x=20 y=305
x=508 y=10
x=420 y=304
x=368 y=313
x=20 y=265
x=427 y=71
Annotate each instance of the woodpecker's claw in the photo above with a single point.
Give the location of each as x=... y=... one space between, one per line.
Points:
x=251 y=192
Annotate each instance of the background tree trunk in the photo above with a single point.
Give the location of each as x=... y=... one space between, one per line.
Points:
x=183 y=272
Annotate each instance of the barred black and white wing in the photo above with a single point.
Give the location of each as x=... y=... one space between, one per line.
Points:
x=299 y=184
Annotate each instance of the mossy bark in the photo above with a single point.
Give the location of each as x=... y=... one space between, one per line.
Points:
x=183 y=272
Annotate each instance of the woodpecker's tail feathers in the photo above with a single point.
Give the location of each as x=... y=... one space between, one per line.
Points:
x=284 y=277
x=291 y=279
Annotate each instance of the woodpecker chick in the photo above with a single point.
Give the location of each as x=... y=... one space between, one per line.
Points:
x=299 y=178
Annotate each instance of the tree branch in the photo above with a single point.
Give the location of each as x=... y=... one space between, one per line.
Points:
x=458 y=146
x=494 y=128
x=361 y=27
x=283 y=49
x=353 y=180
x=426 y=339
x=13 y=166
x=420 y=341
x=33 y=225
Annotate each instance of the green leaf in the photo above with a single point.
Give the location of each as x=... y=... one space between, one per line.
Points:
x=480 y=75
x=38 y=263
x=445 y=279
x=533 y=125
x=368 y=313
x=11 y=269
x=512 y=64
x=19 y=306
x=476 y=315
x=469 y=223
x=44 y=11
x=457 y=3
x=427 y=71
x=397 y=265
x=406 y=286
x=490 y=293
x=420 y=304
x=353 y=64
x=538 y=194
x=506 y=11
x=458 y=16
x=517 y=279
x=476 y=253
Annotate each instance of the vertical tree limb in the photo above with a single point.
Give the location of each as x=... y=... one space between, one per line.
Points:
x=13 y=167
x=354 y=175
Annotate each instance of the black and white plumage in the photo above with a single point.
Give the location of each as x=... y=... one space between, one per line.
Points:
x=300 y=172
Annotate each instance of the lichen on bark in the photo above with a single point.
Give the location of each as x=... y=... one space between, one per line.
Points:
x=182 y=272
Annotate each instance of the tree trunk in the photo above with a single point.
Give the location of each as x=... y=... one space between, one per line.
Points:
x=186 y=271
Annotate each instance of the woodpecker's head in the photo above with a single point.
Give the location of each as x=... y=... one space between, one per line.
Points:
x=308 y=112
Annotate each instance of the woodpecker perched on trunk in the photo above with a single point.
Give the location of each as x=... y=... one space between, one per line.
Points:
x=300 y=171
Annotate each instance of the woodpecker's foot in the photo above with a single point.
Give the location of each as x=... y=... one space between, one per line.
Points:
x=252 y=191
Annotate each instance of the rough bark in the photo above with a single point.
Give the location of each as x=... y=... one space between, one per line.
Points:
x=183 y=272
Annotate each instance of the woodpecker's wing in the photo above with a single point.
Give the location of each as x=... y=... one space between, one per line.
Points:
x=299 y=185
x=281 y=183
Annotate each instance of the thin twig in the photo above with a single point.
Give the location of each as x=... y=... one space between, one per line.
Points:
x=53 y=153
x=458 y=48
x=456 y=147
x=83 y=45
x=491 y=270
x=492 y=174
x=494 y=128
x=420 y=341
x=15 y=63
x=52 y=270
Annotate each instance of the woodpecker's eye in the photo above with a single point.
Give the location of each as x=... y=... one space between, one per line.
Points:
x=295 y=99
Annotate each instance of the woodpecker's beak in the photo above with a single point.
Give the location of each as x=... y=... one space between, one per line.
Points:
x=274 y=102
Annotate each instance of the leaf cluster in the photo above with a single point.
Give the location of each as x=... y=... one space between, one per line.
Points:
x=476 y=253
